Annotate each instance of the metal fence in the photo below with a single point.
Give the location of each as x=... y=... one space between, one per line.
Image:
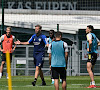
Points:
x=23 y=62
x=71 y=15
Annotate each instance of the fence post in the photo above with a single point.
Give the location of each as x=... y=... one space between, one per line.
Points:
x=15 y=67
x=75 y=65
x=57 y=27
x=27 y=51
x=2 y=26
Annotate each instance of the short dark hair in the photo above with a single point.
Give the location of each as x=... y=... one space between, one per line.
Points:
x=9 y=28
x=90 y=27
x=52 y=31
x=58 y=34
x=40 y=27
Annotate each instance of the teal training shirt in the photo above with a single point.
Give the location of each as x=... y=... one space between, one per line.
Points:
x=94 y=44
x=58 y=54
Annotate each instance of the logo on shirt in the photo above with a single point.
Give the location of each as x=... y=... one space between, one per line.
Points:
x=36 y=43
x=8 y=41
x=39 y=39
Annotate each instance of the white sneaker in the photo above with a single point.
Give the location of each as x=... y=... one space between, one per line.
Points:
x=0 y=75
x=7 y=77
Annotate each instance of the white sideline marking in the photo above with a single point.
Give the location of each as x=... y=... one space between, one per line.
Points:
x=47 y=86
x=50 y=78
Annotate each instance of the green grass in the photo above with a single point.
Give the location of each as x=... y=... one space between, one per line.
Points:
x=24 y=83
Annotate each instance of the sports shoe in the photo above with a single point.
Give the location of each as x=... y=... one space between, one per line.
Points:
x=7 y=77
x=33 y=83
x=43 y=83
x=52 y=82
x=92 y=86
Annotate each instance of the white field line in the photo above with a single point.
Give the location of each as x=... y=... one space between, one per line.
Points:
x=50 y=78
x=40 y=86
x=51 y=86
x=83 y=84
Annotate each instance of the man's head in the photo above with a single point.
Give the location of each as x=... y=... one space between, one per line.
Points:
x=8 y=31
x=59 y=35
x=51 y=33
x=89 y=29
x=38 y=29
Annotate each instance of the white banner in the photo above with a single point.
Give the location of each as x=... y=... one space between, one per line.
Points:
x=84 y=51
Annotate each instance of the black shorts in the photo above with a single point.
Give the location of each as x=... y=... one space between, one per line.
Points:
x=56 y=71
x=92 y=57
x=4 y=57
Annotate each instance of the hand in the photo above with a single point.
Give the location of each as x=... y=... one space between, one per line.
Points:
x=17 y=42
x=53 y=39
x=2 y=50
x=50 y=67
x=47 y=45
x=12 y=50
x=99 y=44
x=88 y=49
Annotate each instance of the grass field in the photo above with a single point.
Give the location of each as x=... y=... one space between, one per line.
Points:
x=24 y=83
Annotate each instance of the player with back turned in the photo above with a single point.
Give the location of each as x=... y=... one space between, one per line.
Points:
x=50 y=40
x=58 y=56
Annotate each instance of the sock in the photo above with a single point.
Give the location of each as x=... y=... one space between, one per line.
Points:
x=0 y=75
x=43 y=80
x=93 y=82
x=35 y=80
x=52 y=80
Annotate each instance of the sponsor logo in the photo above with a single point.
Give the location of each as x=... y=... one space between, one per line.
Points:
x=36 y=43
x=39 y=39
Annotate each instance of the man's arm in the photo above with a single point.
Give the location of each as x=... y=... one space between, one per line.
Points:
x=49 y=51
x=66 y=52
x=14 y=40
x=24 y=43
x=14 y=48
x=1 y=49
x=47 y=45
x=89 y=39
x=45 y=40
x=98 y=43
x=90 y=45
x=66 y=58
x=50 y=60
x=1 y=40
